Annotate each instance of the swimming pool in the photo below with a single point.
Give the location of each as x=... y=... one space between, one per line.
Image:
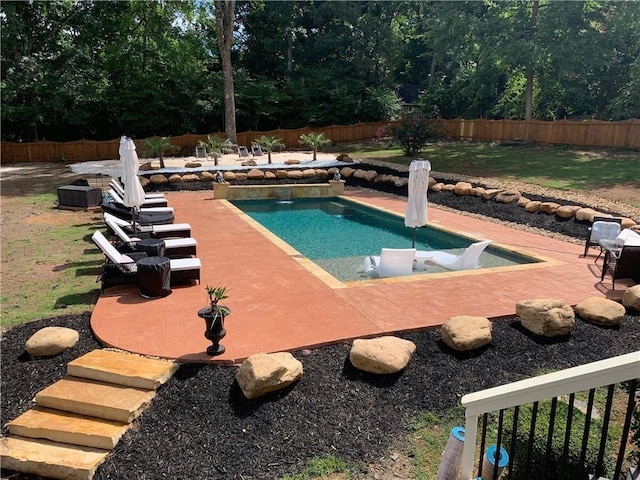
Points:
x=338 y=234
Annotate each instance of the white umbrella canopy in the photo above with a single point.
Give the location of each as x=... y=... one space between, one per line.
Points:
x=416 y=211
x=134 y=194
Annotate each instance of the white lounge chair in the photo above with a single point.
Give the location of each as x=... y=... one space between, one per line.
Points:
x=467 y=261
x=181 y=268
x=603 y=228
x=146 y=207
x=119 y=188
x=172 y=230
x=174 y=247
x=392 y=262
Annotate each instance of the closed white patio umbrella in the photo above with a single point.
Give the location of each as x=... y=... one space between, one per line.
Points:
x=134 y=195
x=416 y=212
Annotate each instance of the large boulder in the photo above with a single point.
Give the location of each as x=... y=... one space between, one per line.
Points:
x=158 y=179
x=546 y=317
x=249 y=163
x=294 y=174
x=567 y=211
x=175 y=178
x=586 y=214
x=491 y=193
x=549 y=207
x=381 y=355
x=255 y=174
x=631 y=298
x=50 y=341
x=462 y=188
x=600 y=311
x=464 y=332
x=533 y=206
x=347 y=172
x=228 y=176
x=508 y=196
x=263 y=373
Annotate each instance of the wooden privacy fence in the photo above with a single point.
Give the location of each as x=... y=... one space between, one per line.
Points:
x=594 y=133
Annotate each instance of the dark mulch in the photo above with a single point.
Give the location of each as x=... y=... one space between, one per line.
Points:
x=201 y=426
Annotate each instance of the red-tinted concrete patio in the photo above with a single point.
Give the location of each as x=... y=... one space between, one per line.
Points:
x=282 y=301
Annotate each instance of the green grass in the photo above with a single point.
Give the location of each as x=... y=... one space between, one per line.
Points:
x=320 y=468
x=550 y=166
x=53 y=269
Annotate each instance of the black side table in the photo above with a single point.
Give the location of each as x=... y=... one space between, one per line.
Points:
x=153 y=247
x=154 y=276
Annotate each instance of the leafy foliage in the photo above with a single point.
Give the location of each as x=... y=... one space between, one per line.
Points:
x=269 y=144
x=315 y=140
x=413 y=134
x=158 y=146
x=217 y=146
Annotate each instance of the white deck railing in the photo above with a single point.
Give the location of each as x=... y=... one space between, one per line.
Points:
x=576 y=379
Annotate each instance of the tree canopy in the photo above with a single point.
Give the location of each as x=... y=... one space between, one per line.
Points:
x=90 y=69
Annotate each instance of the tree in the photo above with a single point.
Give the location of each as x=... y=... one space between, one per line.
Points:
x=216 y=147
x=315 y=141
x=224 y=11
x=158 y=146
x=269 y=144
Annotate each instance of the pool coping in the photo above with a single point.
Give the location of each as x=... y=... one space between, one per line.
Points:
x=333 y=282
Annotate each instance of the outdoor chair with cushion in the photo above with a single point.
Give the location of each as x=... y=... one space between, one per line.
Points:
x=256 y=150
x=143 y=217
x=148 y=203
x=182 y=269
x=173 y=230
x=392 y=262
x=627 y=237
x=467 y=261
x=119 y=188
x=624 y=263
x=242 y=151
x=603 y=228
x=174 y=248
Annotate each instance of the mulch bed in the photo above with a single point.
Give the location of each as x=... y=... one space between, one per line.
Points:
x=201 y=426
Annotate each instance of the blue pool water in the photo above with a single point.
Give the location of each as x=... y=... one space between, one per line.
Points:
x=338 y=234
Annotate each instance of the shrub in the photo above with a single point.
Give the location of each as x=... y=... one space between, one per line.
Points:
x=413 y=134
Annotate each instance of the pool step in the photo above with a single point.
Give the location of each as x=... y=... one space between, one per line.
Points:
x=122 y=369
x=95 y=399
x=65 y=427
x=80 y=418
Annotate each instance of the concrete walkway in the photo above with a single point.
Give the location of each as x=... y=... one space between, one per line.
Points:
x=282 y=301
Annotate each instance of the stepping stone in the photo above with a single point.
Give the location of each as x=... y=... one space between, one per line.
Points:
x=95 y=399
x=65 y=427
x=122 y=369
x=50 y=459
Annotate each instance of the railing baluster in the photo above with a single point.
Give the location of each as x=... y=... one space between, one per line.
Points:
x=567 y=435
x=485 y=420
x=498 y=443
x=587 y=426
x=532 y=431
x=605 y=431
x=514 y=435
x=552 y=423
x=631 y=404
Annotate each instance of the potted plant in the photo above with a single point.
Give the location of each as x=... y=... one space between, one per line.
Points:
x=214 y=316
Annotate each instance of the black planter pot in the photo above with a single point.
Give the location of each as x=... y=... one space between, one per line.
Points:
x=214 y=319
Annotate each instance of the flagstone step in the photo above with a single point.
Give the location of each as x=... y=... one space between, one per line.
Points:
x=50 y=459
x=65 y=427
x=122 y=369
x=95 y=399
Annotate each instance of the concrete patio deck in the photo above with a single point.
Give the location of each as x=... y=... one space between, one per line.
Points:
x=281 y=301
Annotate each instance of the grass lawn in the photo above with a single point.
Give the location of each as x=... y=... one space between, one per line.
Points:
x=561 y=167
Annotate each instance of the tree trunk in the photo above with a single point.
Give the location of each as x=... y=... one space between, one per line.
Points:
x=432 y=71
x=224 y=34
x=530 y=74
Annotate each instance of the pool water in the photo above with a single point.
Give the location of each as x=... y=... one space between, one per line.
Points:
x=338 y=234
